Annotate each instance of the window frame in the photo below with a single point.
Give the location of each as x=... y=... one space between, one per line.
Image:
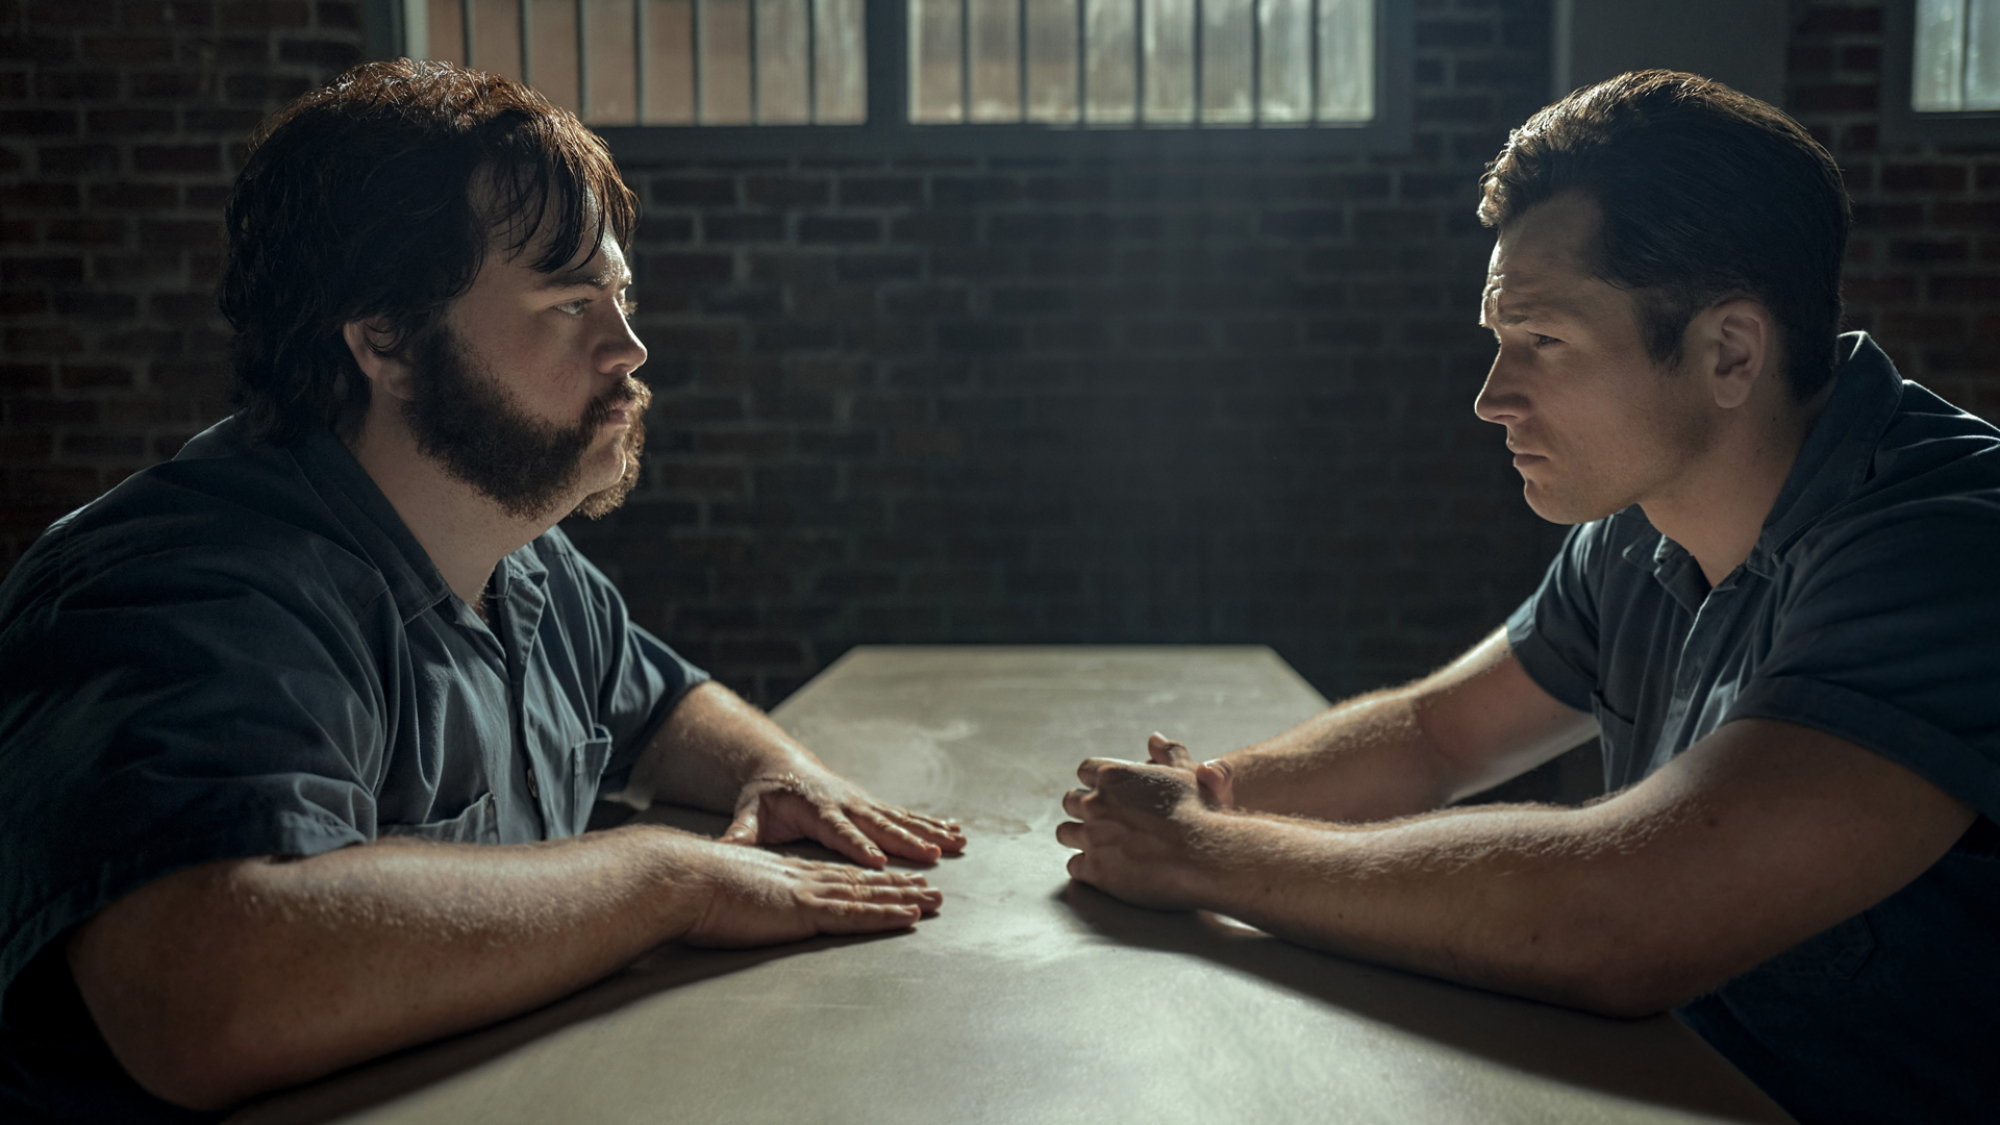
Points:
x=1902 y=124
x=888 y=131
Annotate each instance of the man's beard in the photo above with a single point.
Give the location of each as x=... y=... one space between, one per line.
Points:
x=468 y=423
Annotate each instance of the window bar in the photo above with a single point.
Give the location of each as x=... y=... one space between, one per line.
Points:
x=756 y=95
x=465 y=19
x=1964 y=52
x=1082 y=61
x=964 y=62
x=527 y=41
x=639 y=61
x=1256 y=62
x=1139 y=62
x=1200 y=40
x=1021 y=55
x=1312 y=67
x=812 y=60
x=695 y=43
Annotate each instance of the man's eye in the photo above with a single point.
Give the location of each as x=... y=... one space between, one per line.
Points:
x=1542 y=341
x=574 y=308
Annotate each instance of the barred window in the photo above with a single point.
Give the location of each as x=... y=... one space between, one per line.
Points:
x=1957 y=56
x=1076 y=63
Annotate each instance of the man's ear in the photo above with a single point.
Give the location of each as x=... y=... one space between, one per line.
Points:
x=388 y=374
x=1741 y=336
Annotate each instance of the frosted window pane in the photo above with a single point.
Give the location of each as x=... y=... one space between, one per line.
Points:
x=669 y=62
x=996 y=59
x=1287 y=72
x=614 y=91
x=841 y=55
x=1982 y=55
x=1937 y=74
x=496 y=37
x=1169 y=39
x=552 y=54
x=935 y=93
x=1225 y=60
x=1111 y=89
x=1346 y=60
x=1052 y=60
x=725 y=61
x=782 y=68
x=446 y=20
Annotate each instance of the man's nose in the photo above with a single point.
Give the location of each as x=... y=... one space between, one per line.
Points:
x=1496 y=401
x=623 y=353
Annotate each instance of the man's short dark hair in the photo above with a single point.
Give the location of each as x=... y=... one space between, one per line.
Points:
x=1706 y=194
x=376 y=197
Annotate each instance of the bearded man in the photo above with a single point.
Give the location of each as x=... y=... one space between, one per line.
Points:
x=313 y=716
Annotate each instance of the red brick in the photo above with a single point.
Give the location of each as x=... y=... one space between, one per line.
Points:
x=20 y=232
x=1971 y=287
x=173 y=84
x=128 y=122
x=167 y=13
x=339 y=14
x=1922 y=325
x=1802 y=60
x=265 y=13
x=331 y=55
x=26 y=376
x=128 y=48
x=69 y=13
x=1832 y=98
x=98 y=232
x=77 y=85
x=139 y=197
x=76 y=376
x=38 y=122
x=1923 y=177
x=1984 y=216
x=42 y=269
x=1823 y=20
x=51 y=341
x=1858 y=138
x=77 y=159
x=30 y=302
x=177 y=158
x=1867 y=60
x=1884 y=290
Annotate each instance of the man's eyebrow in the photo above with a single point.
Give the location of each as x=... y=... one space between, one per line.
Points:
x=596 y=277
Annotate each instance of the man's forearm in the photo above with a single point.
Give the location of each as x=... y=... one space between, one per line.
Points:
x=225 y=980
x=710 y=745
x=1468 y=726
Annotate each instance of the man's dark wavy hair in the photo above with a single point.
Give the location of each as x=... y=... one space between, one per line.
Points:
x=358 y=202
x=1707 y=194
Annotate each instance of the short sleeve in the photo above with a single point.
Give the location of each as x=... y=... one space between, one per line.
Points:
x=168 y=710
x=1554 y=633
x=1888 y=636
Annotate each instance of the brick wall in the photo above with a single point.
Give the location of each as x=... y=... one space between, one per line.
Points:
x=994 y=400
x=121 y=124
x=1923 y=273
x=1084 y=400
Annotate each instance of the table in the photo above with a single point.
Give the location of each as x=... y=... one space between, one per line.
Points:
x=1028 y=999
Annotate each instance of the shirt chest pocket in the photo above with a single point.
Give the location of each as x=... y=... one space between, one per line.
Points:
x=478 y=824
x=586 y=761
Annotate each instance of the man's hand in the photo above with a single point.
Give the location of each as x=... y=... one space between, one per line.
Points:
x=763 y=899
x=811 y=802
x=717 y=752
x=1140 y=827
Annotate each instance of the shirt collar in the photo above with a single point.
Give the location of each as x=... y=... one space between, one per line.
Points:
x=1839 y=454
x=1833 y=462
x=358 y=503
